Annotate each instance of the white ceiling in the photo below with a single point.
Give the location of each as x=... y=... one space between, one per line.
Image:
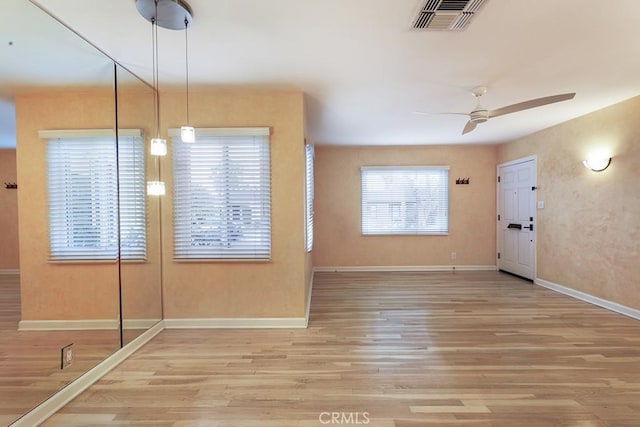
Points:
x=364 y=71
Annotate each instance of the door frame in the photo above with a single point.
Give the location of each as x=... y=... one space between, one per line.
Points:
x=533 y=158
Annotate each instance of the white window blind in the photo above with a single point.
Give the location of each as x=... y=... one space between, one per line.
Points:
x=405 y=200
x=82 y=194
x=309 y=194
x=222 y=195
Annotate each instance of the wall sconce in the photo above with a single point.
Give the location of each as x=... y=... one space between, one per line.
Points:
x=597 y=164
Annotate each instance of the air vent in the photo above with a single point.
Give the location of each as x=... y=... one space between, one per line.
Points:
x=446 y=15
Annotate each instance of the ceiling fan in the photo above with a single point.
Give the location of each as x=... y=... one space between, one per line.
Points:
x=480 y=114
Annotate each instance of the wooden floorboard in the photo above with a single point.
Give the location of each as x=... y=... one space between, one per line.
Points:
x=30 y=361
x=393 y=349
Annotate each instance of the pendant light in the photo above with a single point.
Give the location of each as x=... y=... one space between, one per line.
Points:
x=173 y=15
x=158 y=145
x=187 y=133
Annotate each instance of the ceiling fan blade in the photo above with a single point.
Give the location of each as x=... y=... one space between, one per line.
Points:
x=437 y=114
x=532 y=103
x=469 y=127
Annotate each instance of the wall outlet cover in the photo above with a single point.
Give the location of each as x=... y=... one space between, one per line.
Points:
x=66 y=356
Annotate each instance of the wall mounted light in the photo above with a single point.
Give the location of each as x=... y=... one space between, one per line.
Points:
x=597 y=164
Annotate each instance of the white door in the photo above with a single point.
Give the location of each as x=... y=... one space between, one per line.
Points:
x=516 y=218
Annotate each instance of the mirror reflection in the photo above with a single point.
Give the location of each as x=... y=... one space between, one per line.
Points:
x=139 y=214
x=74 y=266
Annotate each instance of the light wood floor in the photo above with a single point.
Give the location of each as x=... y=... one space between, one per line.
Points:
x=30 y=361
x=407 y=349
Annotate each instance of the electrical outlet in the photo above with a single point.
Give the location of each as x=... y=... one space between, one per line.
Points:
x=66 y=356
x=454 y=255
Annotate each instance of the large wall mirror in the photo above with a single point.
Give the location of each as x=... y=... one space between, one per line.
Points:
x=140 y=270
x=79 y=253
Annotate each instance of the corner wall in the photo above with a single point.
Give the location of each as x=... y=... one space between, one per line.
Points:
x=273 y=289
x=588 y=236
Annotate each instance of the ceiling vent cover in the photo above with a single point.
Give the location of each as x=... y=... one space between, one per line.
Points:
x=446 y=15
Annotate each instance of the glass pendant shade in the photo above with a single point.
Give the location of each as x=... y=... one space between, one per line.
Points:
x=158 y=147
x=155 y=188
x=188 y=134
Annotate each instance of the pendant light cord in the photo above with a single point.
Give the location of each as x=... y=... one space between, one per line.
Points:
x=156 y=75
x=186 y=61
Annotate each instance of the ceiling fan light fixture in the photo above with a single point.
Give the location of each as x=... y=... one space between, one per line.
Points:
x=479 y=116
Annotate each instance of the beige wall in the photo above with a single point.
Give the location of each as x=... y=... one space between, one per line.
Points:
x=338 y=240
x=243 y=289
x=9 y=256
x=588 y=234
x=57 y=291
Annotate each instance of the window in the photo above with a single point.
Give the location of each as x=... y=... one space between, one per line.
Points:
x=222 y=195
x=82 y=175
x=405 y=200
x=309 y=195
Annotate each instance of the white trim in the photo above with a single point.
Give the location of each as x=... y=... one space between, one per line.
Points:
x=236 y=323
x=406 y=268
x=591 y=299
x=308 y=310
x=239 y=131
x=88 y=133
x=520 y=160
x=68 y=325
x=128 y=324
x=53 y=404
x=9 y=271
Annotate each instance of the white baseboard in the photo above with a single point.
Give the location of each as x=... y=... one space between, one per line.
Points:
x=128 y=324
x=308 y=309
x=417 y=268
x=53 y=404
x=9 y=271
x=84 y=325
x=67 y=325
x=236 y=323
x=609 y=305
